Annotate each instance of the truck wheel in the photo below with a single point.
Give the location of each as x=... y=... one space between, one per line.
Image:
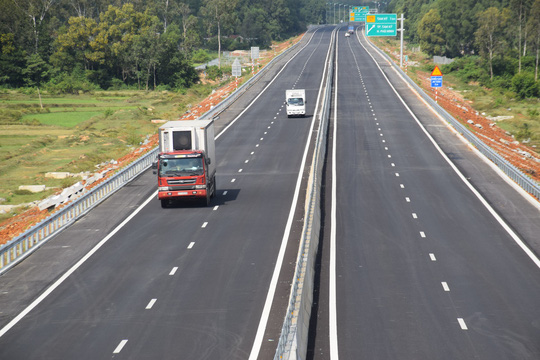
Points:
x=214 y=189
x=164 y=203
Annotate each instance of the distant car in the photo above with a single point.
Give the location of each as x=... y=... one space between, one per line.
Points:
x=347 y=34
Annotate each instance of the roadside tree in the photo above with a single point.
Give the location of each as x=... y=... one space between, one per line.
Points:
x=533 y=32
x=490 y=36
x=220 y=15
x=431 y=33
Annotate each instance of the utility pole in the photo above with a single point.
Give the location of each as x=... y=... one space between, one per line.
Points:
x=401 y=50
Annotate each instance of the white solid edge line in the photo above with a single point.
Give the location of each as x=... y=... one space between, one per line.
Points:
x=257 y=343
x=332 y=303
x=484 y=202
x=57 y=283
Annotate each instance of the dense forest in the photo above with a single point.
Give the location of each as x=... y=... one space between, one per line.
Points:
x=496 y=42
x=81 y=45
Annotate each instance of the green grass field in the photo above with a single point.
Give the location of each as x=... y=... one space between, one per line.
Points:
x=66 y=118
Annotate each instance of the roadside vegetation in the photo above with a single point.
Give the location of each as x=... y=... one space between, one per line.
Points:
x=79 y=46
x=495 y=47
x=43 y=132
x=74 y=133
x=80 y=81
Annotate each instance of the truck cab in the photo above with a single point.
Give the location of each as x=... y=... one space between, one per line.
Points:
x=296 y=102
x=184 y=174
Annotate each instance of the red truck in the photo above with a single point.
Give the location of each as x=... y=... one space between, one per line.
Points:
x=186 y=166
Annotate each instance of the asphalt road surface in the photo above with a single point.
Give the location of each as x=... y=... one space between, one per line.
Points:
x=413 y=264
x=188 y=282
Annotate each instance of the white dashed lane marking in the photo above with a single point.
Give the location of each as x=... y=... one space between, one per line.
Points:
x=445 y=286
x=432 y=257
x=120 y=346
x=191 y=244
x=173 y=271
x=150 y=304
x=462 y=324
x=204 y=224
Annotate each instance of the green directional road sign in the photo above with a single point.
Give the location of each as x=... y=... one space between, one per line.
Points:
x=358 y=13
x=358 y=16
x=381 y=25
x=359 y=8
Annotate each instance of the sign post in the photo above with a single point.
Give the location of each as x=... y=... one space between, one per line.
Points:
x=254 y=56
x=436 y=80
x=401 y=42
x=236 y=71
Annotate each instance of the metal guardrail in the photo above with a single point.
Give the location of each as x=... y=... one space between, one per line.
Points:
x=24 y=244
x=294 y=333
x=528 y=184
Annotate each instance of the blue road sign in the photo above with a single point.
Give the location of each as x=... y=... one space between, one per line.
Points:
x=436 y=81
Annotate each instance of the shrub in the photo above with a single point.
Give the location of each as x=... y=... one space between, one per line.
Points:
x=533 y=113
x=117 y=84
x=524 y=85
x=214 y=72
x=467 y=68
x=524 y=133
x=74 y=83
x=200 y=56
x=22 y=192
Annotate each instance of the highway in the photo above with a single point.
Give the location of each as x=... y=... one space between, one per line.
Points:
x=414 y=266
x=191 y=282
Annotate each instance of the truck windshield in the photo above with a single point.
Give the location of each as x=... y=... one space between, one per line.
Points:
x=295 y=101
x=181 y=167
